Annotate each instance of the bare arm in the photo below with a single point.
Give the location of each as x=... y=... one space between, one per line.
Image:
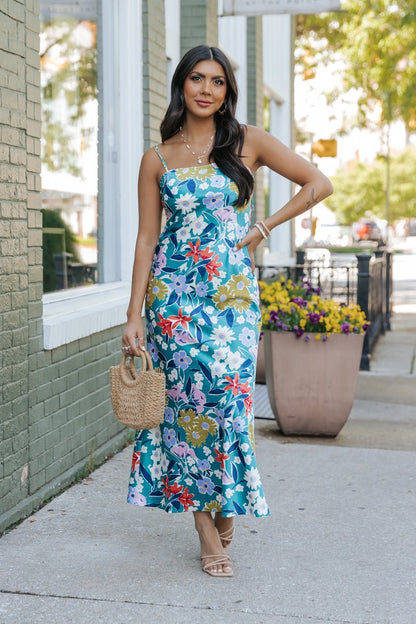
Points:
x=261 y=148
x=150 y=214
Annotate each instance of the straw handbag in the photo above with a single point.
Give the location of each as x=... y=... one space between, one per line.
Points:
x=138 y=398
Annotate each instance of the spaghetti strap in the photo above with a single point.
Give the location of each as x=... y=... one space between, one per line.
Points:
x=161 y=157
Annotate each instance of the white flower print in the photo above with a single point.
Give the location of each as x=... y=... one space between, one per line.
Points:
x=173 y=375
x=198 y=225
x=198 y=377
x=186 y=202
x=204 y=186
x=204 y=347
x=262 y=507
x=223 y=335
x=234 y=360
x=245 y=447
x=221 y=353
x=218 y=369
x=155 y=471
x=183 y=234
x=217 y=181
x=252 y=477
x=154 y=436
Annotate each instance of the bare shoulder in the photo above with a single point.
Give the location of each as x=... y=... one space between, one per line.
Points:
x=151 y=164
x=256 y=142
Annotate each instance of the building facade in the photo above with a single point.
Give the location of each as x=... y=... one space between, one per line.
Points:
x=56 y=347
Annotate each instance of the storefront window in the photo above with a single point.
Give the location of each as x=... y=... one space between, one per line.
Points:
x=68 y=56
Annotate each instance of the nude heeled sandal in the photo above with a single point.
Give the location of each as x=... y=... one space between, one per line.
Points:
x=227 y=536
x=219 y=560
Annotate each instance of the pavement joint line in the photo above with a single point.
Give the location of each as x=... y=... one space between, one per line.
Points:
x=180 y=606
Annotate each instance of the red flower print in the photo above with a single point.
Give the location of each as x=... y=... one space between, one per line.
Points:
x=135 y=460
x=245 y=388
x=212 y=267
x=186 y=499
x=179 y=319
x=248 y=402
x=166 y=325
x=233 y=385
x=220 y=457
x=170 y=489
x=198 y=254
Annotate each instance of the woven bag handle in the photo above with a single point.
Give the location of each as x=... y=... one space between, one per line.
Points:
x=128 y=372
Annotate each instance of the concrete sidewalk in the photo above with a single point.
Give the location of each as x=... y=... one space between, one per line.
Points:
x=338 y=548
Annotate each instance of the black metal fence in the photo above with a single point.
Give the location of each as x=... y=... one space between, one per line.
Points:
x=367 y=280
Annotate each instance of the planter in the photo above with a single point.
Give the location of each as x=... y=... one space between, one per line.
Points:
x=260 y=368
x=311 y=385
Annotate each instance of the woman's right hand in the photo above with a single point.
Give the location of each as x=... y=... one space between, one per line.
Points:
x=133 y=336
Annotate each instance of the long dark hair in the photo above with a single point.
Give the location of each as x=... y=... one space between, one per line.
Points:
x=229 y=134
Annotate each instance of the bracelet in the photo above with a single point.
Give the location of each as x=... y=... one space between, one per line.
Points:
x=265 y=227
x=260 y=229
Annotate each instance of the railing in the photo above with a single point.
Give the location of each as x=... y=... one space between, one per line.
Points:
x=366 y=281
x=70 y=274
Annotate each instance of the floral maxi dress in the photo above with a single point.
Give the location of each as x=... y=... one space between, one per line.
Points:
x=203 y=321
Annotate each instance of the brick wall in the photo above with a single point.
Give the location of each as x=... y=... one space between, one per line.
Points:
x=198 y=23
x=16 y=53
x=154 y=70
x=55 y=416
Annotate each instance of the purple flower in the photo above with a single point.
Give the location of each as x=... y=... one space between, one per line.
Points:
x=314 y=317
x=300 y=302
x=203 y=464
x=169 y=415
x=307 y=338
x=169 y=437
x=179 y=284
x=213 y=200
x=299 y=331
x=205 y=485
x=181 y=359
x=345 y=328
x=201 y=289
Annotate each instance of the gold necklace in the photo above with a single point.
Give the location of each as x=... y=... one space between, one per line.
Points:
x=187 y=145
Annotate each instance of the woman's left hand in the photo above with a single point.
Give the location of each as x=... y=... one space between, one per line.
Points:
x=252 y=240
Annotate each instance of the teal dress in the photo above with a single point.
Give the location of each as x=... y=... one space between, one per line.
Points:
x=203 y=321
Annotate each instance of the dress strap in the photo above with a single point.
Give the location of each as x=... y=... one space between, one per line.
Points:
x=161 y=157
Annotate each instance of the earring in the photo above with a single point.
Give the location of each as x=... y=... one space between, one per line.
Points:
x=223 y=108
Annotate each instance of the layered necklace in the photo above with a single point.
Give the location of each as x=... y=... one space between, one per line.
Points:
x=199 y=157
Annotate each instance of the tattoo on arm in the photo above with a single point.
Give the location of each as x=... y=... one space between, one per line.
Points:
x=313 y=200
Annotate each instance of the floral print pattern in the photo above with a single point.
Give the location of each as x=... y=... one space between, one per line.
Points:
x=203 y=322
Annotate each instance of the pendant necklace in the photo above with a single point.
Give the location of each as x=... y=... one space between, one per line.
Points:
x=187 y=145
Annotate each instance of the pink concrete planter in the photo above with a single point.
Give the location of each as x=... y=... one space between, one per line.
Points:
x=260 y=368
x=311 y=385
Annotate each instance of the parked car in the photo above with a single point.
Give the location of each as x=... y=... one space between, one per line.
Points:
x=366 y=230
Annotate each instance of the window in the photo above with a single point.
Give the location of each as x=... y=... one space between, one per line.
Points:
x=68 y=56
x=117 y=47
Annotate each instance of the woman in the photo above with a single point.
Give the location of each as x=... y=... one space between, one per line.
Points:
x=202 y=303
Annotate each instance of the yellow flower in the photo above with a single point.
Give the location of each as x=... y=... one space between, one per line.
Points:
x=156 y=289
x=196 y=426
x=212 y=506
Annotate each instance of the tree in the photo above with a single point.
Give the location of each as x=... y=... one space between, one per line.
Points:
x=359 y=190
x=69 y=82
x=376 y=41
